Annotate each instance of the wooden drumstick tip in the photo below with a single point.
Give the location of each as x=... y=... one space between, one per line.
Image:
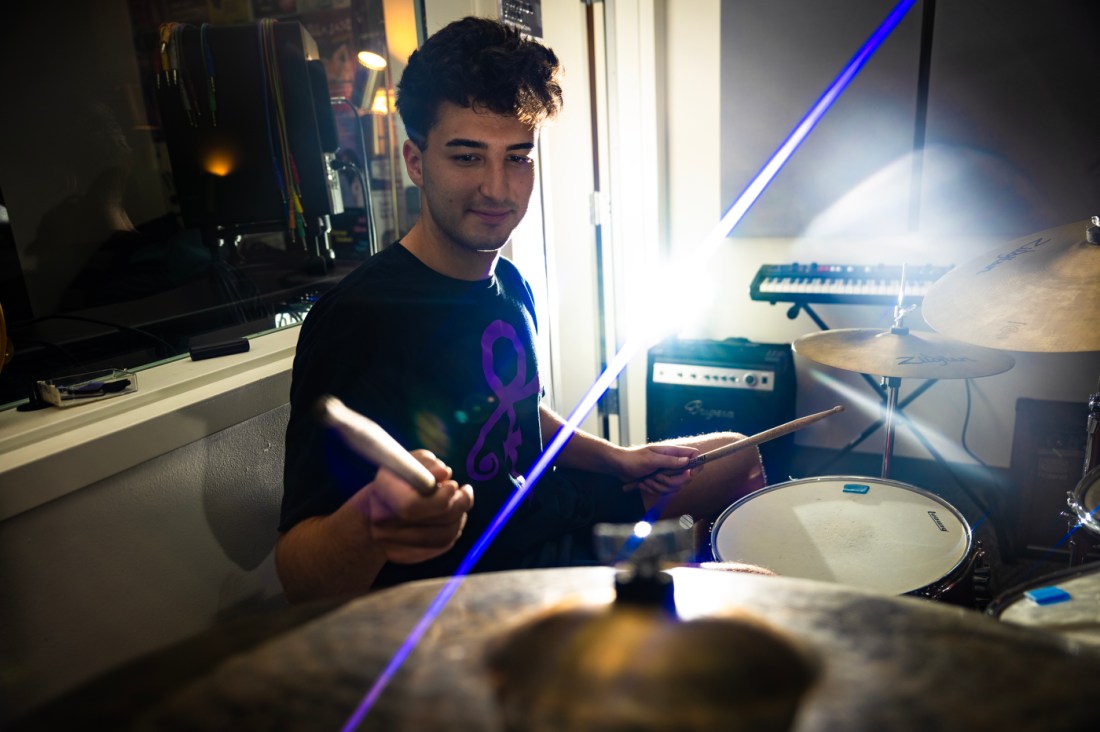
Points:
x=366 y=437
x=761 y=437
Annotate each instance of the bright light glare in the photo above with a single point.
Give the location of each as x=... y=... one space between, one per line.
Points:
x=670 y=302
x=872 y=406
x=864 y=402
x=642 y=529
x=383 y=102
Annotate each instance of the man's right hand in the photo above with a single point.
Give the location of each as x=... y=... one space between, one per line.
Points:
x=408 y=527
x=387 y=520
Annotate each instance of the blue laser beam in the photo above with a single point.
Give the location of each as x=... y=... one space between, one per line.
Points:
x=632 y=345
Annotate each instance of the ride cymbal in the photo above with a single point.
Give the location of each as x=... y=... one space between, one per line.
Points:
x=901 y=353
x=1040 y=293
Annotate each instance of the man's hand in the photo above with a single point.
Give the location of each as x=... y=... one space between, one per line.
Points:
x=408 y=527
x=386 y=520
x=644 y=468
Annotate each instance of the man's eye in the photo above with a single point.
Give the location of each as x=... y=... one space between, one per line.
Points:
x=465 y=158
x=522 y=160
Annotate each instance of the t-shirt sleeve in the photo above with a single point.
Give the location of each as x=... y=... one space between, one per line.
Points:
x=339 y=351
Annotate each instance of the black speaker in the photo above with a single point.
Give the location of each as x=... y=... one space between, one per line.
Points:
x=699 y=386
x=1048 y=458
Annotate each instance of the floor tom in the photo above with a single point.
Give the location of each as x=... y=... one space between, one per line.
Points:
x=1066 y=603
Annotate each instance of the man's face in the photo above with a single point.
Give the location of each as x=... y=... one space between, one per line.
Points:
x=475 y=176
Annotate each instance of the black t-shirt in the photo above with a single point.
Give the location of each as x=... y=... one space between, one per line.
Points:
x=442 y=364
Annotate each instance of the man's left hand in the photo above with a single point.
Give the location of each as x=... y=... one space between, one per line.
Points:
x=656 y=469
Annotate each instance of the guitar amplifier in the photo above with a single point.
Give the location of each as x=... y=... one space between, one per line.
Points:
x=699 y=386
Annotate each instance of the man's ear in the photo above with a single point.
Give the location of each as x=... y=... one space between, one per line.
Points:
x=414 y=159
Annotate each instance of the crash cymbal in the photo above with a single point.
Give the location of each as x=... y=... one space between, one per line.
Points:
x=1039 y=293
x=902 y=353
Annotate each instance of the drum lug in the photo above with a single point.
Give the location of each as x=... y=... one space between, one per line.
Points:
x=975 y=594
x=982 y=579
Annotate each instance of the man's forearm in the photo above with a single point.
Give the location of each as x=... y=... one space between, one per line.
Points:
x=327 y=556
x=583 y=451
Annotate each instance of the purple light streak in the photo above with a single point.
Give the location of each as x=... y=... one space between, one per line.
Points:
x=620 y=360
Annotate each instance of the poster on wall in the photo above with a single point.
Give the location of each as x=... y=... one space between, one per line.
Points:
x=332 y=31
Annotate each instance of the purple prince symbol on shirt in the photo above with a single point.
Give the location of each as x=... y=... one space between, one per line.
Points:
x=485 y=466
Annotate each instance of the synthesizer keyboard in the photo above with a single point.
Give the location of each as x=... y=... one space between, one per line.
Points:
x=843 y=284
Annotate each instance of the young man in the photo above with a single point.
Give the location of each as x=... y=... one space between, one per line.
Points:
x=433 y=338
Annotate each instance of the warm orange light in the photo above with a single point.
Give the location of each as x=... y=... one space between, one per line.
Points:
x=383 y=102
x=372 y=60
x=219 y=162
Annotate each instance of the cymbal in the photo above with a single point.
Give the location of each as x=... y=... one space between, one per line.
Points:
x=905 y=354
x=1039 y=293
x=882 y=660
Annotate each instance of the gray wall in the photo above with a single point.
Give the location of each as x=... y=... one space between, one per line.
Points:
x=135 y=562
x=1011 y=144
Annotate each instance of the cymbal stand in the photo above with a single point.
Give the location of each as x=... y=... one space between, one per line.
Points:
x=894 y=409
x=887 y=391
x=1092 y=443
x=893 y=383
x=875 y=426
x=1081 y=543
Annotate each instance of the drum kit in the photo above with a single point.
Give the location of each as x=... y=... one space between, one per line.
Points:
x=1040 y=293
x=844 y=550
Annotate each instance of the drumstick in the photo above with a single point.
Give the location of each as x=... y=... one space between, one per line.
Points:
x=367 y=438
x=758 y=438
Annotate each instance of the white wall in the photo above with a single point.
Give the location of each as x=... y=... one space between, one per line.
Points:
x=132 y=563
x=132 y=523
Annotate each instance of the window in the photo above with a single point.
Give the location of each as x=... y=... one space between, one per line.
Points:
x=121 y=244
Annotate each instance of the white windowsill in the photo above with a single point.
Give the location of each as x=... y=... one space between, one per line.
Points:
x=51 y=452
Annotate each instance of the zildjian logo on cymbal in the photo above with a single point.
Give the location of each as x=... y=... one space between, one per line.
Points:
x=922 y=359
x=1009 y=256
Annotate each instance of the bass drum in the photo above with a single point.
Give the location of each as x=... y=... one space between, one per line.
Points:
x=864 y=532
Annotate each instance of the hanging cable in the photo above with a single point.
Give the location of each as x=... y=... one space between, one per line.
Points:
x=965 y=427
x=278 y=138
x=208 y=64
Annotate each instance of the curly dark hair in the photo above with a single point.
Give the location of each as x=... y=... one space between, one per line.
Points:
x=481 y=64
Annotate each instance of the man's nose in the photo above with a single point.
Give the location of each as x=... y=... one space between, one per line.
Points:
x=494 y=182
